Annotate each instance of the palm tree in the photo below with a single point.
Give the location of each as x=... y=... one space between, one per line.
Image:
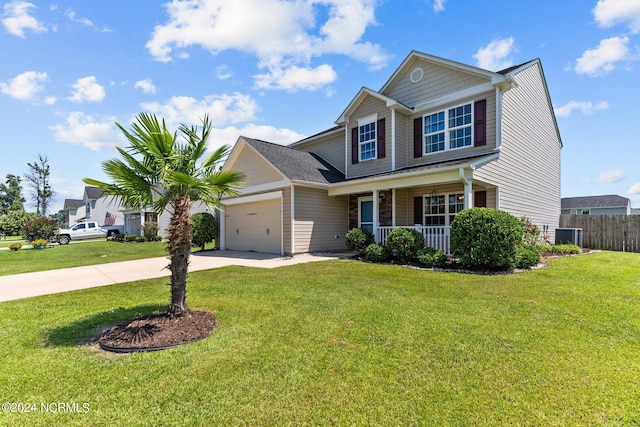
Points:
x=160 y=171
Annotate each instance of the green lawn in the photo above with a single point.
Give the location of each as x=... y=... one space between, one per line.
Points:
x=344 y=343
x=78 y=254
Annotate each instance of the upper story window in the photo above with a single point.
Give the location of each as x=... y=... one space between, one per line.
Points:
x=448 y=129
x=367 y=140
x=452 y=128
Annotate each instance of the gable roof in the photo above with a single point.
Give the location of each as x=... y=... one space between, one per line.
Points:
x=73 y=203
x=93 y=192
x=297 y=165
x=497 y=79
x=606 y=201
x=364 y=91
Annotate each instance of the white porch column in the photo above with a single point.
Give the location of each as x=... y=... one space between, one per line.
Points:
x=376 y=214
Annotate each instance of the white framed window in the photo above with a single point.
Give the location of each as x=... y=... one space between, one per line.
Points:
x=448 y=129
x=367 y=138
x=439 y=210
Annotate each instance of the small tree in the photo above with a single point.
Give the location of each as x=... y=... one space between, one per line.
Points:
x=39 y=228
x=38 y=178
x=12 y=222
x=11 y=195
x=204 y=229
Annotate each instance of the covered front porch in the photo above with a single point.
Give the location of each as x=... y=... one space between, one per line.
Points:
x=426 y=202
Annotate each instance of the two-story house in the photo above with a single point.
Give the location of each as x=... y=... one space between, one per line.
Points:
x=437 y=138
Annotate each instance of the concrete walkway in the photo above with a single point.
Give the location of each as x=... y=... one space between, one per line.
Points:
x=70 y=279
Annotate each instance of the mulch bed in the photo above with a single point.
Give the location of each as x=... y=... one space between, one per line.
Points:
x=158 y=331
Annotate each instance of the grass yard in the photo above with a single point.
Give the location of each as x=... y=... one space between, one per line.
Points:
x=344 y=343
x=79 y=254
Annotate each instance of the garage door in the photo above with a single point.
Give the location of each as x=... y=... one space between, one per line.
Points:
x=254 y=226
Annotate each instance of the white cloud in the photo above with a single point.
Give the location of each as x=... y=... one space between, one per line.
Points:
x=608 y=13
x=635 y=189
x=87 y=89
x=222 y=109
x=603 y=59
x=438 y=5
x=16 y=19
x=282 y=34
x=229 y=135
x=82 y=129
x=296 y=78
x=84 y=21
x=223 y=72
x=496 y=55
x=608 y=177
x=146 y=86
x=24 y=86
x=585 y=107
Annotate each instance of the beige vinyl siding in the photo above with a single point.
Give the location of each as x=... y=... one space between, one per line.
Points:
x=318 y=220
x=528 y=170
x=437 y=81
x=460 y=152
x=286 y=220
x=256 y=169
x=404 y=140
x=329 y=147
x=370 y=105
x=402 y=207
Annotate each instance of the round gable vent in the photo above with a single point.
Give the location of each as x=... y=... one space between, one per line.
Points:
x=416 y=75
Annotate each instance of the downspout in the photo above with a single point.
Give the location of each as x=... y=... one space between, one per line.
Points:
x=468 y=187
x=222 y=223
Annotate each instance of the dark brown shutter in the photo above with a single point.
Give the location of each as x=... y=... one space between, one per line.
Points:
x=354 y=145
x=480 y=125
x=417 y=137
x=418 y=215
x=380 y=133
x=480 y=199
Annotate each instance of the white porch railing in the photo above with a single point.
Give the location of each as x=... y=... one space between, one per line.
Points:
x=434 y=237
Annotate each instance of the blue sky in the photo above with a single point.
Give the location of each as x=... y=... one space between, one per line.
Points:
x=283 y=70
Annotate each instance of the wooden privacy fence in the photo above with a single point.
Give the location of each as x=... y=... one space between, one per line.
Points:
x=606 y=232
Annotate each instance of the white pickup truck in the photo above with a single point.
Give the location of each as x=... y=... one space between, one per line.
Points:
x=87 y=230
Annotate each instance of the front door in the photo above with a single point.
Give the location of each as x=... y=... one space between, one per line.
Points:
x=365 y=213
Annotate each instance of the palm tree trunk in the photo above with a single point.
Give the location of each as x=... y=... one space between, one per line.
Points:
x=179 y=247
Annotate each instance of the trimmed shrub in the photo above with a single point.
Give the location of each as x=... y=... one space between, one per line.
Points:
x=204 y=229
x=39 y=228
x=486 y=239
x=375 y=252
x=357 y=239
x=15 y=246
x=39 y=244
x=141 y=239
x=431 y=257
x=404 y=244
x=131 y=238
x=566 y=249
x=150 y=231
x=527 y=256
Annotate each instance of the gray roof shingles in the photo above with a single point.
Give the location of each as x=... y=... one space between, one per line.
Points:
x=296 y=164
x=607 y=201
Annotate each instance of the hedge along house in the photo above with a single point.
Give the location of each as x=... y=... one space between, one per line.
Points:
x=437 y=138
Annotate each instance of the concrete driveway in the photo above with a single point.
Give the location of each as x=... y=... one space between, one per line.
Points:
x=70 y=279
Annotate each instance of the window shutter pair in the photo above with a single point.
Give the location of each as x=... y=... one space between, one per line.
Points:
x=380 y=142
x=479 y=128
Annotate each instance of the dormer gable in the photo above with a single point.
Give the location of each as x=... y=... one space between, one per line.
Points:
x=362 y=95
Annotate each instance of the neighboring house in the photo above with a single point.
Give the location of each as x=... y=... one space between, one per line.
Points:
x=107 y=210
x=437 y=138
x=73 y=211
x=596 y=205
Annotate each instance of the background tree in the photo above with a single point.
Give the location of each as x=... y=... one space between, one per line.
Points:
x=160 y=171
x=11 y=195
x=204 y=228
x=38 y=178
x=12 y=222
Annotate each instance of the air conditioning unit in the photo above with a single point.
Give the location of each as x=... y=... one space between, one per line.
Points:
x=569 y=235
